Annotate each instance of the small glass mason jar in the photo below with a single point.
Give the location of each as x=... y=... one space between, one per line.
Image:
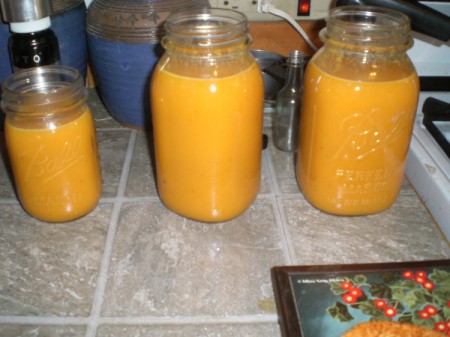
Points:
x=207 y=98
x=51 y=142
x=359 y=104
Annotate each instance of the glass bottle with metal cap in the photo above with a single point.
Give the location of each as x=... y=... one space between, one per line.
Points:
x=32 y=42
x=288 y=102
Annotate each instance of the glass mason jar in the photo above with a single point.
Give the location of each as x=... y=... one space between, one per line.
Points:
x=360 y=99
x=51 y=142
x=207 y=98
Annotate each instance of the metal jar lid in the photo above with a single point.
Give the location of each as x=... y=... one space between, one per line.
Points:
x=25 y=10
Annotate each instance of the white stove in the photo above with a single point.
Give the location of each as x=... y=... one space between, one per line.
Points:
x=428 y=166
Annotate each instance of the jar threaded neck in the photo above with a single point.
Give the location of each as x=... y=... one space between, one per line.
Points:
x=368 y=26
x=206 y=29
x=42 y=90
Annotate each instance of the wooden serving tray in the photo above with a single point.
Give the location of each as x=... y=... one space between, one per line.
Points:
x=327 y=300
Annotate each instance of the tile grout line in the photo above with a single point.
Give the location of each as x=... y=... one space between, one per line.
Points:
x=280 y=218
x=191 y=320
x=95 y=316
x=267 y=157
x=43 y=320
x=267 y=161
x=287 y=234
x=276 y=186
x=142 y=320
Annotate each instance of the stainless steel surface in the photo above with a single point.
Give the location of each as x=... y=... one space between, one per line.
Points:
x=273 y=67
x=25 y=10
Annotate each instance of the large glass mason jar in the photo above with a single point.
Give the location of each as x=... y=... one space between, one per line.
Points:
x=360 y=98
x=51 y=142
x=207 y=112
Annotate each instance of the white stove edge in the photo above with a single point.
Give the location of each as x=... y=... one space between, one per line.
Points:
x=428 y=168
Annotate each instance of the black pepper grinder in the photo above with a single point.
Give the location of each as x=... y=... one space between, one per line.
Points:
x=32 y=42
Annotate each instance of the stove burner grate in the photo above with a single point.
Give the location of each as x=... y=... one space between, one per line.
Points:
x=436 y=120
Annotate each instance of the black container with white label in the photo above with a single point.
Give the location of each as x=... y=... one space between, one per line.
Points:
x=33 y=44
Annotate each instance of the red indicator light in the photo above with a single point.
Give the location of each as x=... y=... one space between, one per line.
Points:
x=304 y=7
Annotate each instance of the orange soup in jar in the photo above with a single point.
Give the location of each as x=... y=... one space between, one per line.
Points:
x=51 y=142
x=207 y=108
x=359 y=105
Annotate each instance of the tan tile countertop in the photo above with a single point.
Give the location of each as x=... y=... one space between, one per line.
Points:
x=134 y=268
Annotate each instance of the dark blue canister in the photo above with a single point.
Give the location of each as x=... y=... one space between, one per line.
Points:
x=69 y=26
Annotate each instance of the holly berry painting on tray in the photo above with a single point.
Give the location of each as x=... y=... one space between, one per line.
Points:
x=413 y=296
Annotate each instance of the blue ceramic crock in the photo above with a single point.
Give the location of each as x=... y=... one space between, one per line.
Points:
x=124 y=47
x=69 y=28
x=5 y=65
x=123 y=73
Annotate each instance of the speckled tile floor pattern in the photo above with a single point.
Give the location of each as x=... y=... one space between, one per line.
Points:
x=133 y=268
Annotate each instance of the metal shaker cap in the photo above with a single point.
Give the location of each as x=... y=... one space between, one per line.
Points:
x=25 y=10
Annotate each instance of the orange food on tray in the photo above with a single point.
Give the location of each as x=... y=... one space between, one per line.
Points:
x=390 y=329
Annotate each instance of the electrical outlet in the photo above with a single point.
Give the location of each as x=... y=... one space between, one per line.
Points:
x=248 y=7
x=312 y=9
